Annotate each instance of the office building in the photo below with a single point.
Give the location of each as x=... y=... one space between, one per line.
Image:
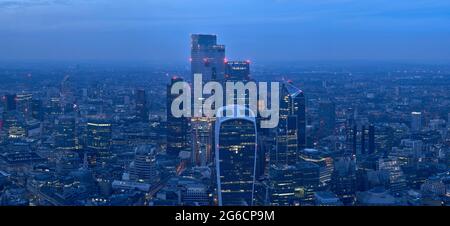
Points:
x=141 y=105
x=416 y=121
x=291 y=130
x=237 y=71
x=65 y=135
x=144 y=169
x=207 y=57
x=235 y=156
x=177 y=128
x=98 y=140
x=327 y=117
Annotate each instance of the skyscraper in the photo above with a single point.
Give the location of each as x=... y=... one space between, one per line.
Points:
x=24 y=103
x=177 y=128
x=299 y=110
x=141 y=105
x=237 y=70
x=362 y=139
x=143 y=168
x=9 y=101
x=37 y=111
x=65 y=136
x=235 y=156
x=291 y=131
x=98 y=140
x=327 y=116
x=207 y=57
x=416 y=121
x=371 y=139
x=343 y=180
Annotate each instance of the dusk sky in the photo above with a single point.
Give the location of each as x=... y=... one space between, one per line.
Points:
x=261 y=30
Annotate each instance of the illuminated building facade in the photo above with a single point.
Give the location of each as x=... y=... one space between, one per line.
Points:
x=98 y=140
x=235 y=156
x=143 y=169
x=66 y=137
x=291 y=131
x=237 y=70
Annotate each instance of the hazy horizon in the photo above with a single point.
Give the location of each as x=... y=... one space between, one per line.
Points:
x=158 y=31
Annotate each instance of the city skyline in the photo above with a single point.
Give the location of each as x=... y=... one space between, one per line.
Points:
x=308 y=105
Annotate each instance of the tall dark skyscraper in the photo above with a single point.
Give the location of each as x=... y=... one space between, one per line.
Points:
x=292 y=126
x=362 y=139
x=299 y=110
x=237 y=70
x=327 y=117
x=141 y=105
x=207 y=57
x=10 y=101
x=371 y=139
x=236 y=143
x=177 y=128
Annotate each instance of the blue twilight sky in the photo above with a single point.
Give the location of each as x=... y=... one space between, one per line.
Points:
x=260 y=30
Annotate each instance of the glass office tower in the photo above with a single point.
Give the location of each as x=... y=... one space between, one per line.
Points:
x=235 y=155
x=207 y=57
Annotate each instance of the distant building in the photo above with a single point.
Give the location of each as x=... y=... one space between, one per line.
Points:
x=416 y=121
x=14 y=125
x=377 y=197
x=326 y=198
x=207 y=57
x=144 y=169
x=177 y=128
x=24 y=104
x=397 y=181
x=141 y=105
x=98 y=140
x=308 y=182
x=202 y=140
x=361 y=139
x=323 y=160
x=195 y=194
x=327 y=117
x=283 y=186
x=10 y=102
x=237 y=71
x=66 y=136
x=130 y=185
x=343 y=180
